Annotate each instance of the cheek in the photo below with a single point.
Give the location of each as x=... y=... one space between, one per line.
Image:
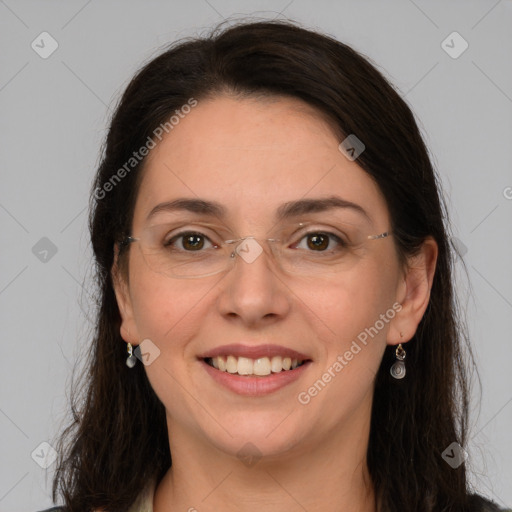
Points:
x=168 y=311
x=171 y=313
x=352 y=318
x=354 y=303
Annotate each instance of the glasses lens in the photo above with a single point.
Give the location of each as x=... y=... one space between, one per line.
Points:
x=187 y=253
x=318 y=252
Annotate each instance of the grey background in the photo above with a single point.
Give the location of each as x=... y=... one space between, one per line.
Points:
x=54 y=118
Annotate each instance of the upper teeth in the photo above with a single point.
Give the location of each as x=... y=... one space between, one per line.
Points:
x=260 y=366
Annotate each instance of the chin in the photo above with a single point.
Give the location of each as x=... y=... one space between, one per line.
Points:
x=258 y=434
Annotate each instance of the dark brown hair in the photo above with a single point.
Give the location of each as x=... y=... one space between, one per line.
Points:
x=118 y=437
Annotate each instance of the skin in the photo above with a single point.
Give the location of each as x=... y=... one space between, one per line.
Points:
x=251 y=156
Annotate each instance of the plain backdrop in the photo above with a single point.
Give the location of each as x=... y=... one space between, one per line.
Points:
x=54 y=114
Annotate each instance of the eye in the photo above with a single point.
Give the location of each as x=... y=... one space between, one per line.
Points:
x=189 y=241
x=320 y=241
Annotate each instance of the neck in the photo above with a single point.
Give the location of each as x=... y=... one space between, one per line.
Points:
x=329 y=474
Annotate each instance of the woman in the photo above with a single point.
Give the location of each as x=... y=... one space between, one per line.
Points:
x=275 y=272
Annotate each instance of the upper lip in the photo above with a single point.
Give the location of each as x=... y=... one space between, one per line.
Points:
x=254 y=352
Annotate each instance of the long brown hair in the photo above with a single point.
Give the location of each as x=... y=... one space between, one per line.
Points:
x=118 y=439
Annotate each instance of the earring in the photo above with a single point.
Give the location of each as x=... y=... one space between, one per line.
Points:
x=131 y=359
x=398 y=369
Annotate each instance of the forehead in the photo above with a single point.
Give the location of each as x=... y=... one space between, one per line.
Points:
x=252 y=155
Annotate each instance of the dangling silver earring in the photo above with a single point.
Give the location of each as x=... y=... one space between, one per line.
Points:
x=398 y=369
x=131 y=359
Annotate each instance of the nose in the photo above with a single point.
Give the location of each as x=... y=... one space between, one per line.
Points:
x=253 y=292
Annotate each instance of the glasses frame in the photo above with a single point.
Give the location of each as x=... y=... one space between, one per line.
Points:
x=130 y=239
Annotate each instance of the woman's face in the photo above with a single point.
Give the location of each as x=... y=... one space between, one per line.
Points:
x=254 y=158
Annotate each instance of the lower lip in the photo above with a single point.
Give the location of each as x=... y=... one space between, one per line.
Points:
x=255 y=386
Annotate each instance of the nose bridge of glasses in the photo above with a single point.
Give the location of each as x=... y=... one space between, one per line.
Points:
x=249 y=248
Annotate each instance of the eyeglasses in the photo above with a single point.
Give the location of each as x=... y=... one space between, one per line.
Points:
x=303 y=248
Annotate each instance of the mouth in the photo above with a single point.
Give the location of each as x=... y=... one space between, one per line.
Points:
x=259 y=367
x=254 y=370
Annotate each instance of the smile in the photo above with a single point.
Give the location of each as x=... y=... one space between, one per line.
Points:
x=261 y=367
x=254 y=370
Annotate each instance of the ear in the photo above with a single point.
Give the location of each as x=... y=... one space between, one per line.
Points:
x=128 y=327
x=413 y=293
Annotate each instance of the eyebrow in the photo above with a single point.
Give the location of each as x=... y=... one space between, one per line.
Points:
x=287 y=210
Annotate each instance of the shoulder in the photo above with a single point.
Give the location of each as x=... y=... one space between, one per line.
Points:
x=144 y=503
x=481 y=504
